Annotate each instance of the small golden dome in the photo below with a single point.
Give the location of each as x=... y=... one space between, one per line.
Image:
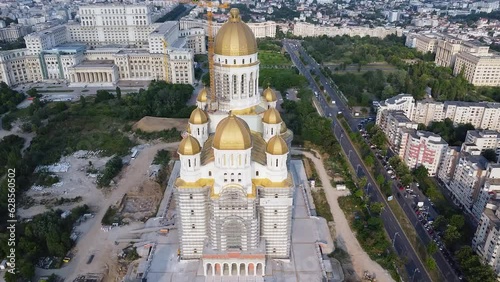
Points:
x=283 y=128
x=189 y=146
x=232 y=133
x=276 y=146
x=272 y=116
x=202 y=95
x=235 y=38
x=198 y=117
x=269 y=95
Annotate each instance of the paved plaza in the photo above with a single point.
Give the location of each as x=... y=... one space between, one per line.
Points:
x=305 y=263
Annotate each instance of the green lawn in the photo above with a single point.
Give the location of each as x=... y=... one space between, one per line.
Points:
x=273 y=58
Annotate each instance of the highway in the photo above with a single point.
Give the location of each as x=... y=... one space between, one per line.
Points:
x=402 y=246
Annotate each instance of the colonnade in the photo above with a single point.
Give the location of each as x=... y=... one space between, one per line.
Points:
x=91 y=77
x=233 y=269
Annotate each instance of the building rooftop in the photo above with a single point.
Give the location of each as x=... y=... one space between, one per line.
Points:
x=400 y=116
x=433 y=137
x=96 y=64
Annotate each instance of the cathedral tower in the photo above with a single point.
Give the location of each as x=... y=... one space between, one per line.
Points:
x=234 y=196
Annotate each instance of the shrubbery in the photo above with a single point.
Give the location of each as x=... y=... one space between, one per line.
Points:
x=46 y=235
x=112 y=168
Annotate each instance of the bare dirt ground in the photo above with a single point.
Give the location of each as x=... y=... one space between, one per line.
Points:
x=151 y=124
x=344 y=235
x=93 y=240
x=16 y=130
x=73 y=183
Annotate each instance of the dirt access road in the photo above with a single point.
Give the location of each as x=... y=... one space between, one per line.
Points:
x=100 y=243
x=344 y=235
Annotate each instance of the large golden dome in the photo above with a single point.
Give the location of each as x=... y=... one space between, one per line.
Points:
x=202 y=95
x=232 y=133
x=235 y=38
x=198 y=117
x=189 y=146
x=276 y=146
x=269 y=95
x=272 y=116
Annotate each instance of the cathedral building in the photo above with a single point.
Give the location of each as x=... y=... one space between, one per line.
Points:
x=234 y=195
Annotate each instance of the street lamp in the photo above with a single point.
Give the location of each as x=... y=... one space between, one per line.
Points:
x=413 y=276
x=394 y=239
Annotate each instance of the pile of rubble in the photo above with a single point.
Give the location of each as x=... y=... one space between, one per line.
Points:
x=84 y=154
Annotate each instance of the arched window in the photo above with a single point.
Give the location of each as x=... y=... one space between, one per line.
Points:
x=242 y=85
x=276 y=162
x=235 y=86
x=250 y=85
x=234 y=61
x=189 y=162
x=272 y=131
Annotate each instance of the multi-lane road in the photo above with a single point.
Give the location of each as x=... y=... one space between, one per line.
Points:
x=414 y=266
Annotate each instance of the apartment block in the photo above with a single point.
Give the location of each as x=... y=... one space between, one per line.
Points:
x=486 y=240
x=488 y=191
x=427 y=112
x=424 y=148
x=480 y=70
x=448 y=164
x=392 y=122
x=308 y=29
x=400 y=102
x=469 y=177
x=483 y=115
x=477 y=141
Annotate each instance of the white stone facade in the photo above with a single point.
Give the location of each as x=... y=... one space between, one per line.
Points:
x=234 y=196
x=308 y=29
x=260 y=30
x=64 y=53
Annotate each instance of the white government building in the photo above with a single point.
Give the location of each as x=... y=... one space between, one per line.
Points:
x=234 y=195
x=111 y=43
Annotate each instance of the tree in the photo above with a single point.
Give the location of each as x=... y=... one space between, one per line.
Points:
x=369 y=160
x=440 y=222
x=380 y=179
x=118 y=93
x=421 y=173
x=490 y=155
x=33 y=92
x=83 y=101
x=376 y=208
x=451 y=235
x=432 y=248
x=458 y=221
x=102 y=95
x=362 y=182
x=407 y=179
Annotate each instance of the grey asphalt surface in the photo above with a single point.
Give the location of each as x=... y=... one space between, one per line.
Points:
x=414 y=267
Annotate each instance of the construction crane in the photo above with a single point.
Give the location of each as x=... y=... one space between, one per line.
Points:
x=165 y=59
x=210 y=6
